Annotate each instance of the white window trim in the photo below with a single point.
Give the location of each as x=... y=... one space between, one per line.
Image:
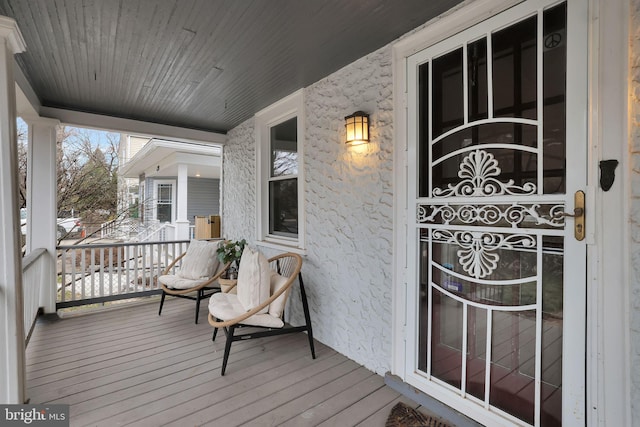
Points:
x=174 y=188
x=285 y=109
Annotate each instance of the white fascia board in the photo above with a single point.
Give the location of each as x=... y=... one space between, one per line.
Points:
x=134 y=127
x=27 y=102
x=155 y=151
x=197 y=159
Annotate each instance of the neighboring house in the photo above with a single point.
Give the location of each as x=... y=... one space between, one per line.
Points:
x=176 y=181
x=128 y=188
x=482 y=248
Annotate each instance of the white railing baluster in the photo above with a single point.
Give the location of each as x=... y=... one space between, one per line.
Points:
x=113 y=276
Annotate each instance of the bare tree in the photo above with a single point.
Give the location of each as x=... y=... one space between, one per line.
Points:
x=87 y=174
x=22 y=164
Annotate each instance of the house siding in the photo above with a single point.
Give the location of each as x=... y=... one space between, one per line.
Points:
x=348 y=209
x=203 y=197
x=634 y=179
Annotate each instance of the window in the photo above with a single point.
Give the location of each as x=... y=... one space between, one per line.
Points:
x=164 y=199
x=279 y=132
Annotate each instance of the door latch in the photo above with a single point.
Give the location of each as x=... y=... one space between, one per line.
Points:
x=577 y=215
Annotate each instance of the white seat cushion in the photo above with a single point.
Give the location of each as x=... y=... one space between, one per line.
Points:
x=177 y=282
x=254 y=280
x=227 y=306
x=200 y=261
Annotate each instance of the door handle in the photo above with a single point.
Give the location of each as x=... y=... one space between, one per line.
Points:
x=577 y=215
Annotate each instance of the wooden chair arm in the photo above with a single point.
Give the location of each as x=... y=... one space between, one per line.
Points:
x=196 y=288
x=230 y=286
x=170 y=266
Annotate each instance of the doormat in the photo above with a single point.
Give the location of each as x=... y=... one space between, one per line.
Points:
x=405 y=416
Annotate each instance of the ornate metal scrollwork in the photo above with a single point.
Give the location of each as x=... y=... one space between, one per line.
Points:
x=478 y=171
x=512 y=215
x=477 y=254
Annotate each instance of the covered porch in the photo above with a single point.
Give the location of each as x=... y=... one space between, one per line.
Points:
x=269 y=86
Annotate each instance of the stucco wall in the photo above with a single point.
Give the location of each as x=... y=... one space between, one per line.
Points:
x=348 y=208
x=634 y=146
x=239 y=183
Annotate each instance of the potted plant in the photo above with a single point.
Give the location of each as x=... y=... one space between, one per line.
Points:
x=231 y=251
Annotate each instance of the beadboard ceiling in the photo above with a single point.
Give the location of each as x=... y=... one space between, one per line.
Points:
x=200 y=64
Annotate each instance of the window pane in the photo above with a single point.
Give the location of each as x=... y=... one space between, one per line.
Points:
x=423 y=119
x=284 y=148
x=555 y=126
x=448 y=99
x=477 y=80
x=515 y=71
x=283 y=207
x=164 y=212
x=164 y=193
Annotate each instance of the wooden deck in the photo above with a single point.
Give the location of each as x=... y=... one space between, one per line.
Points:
x=128 y=366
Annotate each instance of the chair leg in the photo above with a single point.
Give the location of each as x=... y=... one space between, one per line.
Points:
x=227 y=349
x=161 y=302
x=198 y=297
x=307 y=316
x=215 y=331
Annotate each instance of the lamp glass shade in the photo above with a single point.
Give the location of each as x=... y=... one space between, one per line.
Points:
x=357 y=126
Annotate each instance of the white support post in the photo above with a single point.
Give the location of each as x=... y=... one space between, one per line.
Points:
x=182 y=223
x=12 y=339
x=41 y=202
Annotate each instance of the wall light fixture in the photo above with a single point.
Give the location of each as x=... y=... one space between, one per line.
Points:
x=357 y=125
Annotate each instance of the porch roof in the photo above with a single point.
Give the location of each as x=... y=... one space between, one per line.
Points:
x=161 y=158
x=205 y=65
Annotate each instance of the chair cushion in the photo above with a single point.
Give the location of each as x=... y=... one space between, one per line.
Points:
x=277 y=306
x=227 y=306
x=177 y=282
x=254 y=280
x=200 y=261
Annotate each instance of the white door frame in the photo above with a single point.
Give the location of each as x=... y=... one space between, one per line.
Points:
x=608 y=366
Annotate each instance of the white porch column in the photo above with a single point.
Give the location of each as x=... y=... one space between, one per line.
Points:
x=41 y=201
x=182 y=222
x=12 y=347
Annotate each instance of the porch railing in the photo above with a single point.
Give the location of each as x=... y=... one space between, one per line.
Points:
x=153 y=231
x=33 y=278
x=119 y=228
x=96 y=273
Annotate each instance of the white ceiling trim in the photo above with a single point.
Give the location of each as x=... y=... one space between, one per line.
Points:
x=129 y=126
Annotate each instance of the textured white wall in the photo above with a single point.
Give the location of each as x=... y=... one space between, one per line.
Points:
x=348 y=208
x=634 y=147
x=239 y=183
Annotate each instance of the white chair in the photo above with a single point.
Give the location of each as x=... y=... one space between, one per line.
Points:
x=198 y=272
x=262 y=290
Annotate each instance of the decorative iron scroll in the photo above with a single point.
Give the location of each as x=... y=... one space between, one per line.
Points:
x=477 y=254
x=478 y=171
x=512 y=215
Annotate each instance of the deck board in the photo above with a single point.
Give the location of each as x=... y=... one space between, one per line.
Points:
x=129 y=366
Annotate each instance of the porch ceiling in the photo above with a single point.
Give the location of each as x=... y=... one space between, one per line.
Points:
x=201 y=64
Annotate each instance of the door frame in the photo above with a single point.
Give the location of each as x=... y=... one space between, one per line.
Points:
x=607 y=367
